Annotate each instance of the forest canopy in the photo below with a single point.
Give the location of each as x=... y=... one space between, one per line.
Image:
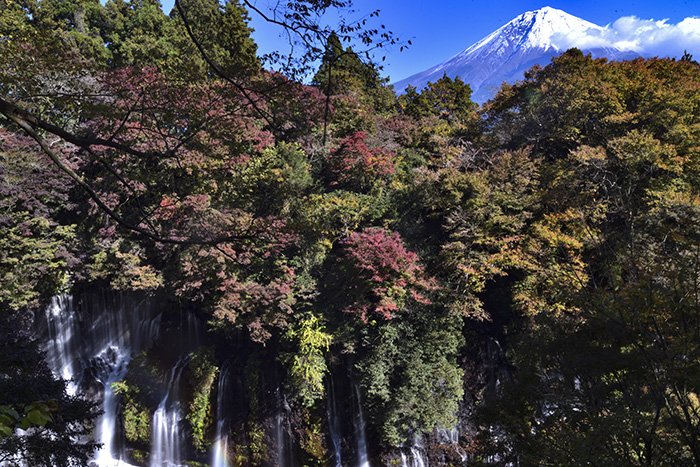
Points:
x=526 y=271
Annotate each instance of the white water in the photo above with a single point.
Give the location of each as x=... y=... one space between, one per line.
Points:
x=279 y=439
x=166 y=435
x=93 y=348
x=220 y=452
x=451 y=437
x=416 y=458
x=283 y=435
x=62 y=330
x=106 y=425
x=360 y=432
x=334 y=424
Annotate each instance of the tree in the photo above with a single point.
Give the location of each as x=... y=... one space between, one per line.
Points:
x=605 y=373
x=55 y=424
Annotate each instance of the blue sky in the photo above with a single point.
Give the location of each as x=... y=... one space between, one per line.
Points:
x=442 y=28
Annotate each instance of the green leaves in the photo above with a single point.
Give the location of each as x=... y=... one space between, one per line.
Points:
x=8 y=420
x=203 y=372
x=35 y=415
x=307 y=363
x=31 y=259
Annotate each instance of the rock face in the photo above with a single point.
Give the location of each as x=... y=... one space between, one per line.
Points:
x=505 y=54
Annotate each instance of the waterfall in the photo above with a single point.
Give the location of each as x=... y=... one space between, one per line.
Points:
x=62 y=336
x=220 y=453
x=284 y=444
x=448 y=436
x=279 y=438
x=416 y=458
x=91 y=350
x=166 y=438
x=334 y=424
x=451 y=437
x=167 y=435
x=113 y=369
x=360 y=432
x=416 y=453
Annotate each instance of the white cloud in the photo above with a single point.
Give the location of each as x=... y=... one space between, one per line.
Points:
x=645 y=36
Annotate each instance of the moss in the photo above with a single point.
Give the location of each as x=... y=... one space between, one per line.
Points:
x=255 y=452
x=257 y=445
x=313 y=442
x=203 y=373
x=136 y=416
x=138 y=457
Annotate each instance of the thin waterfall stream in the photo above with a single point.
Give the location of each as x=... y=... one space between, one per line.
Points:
x=167 y=436
x=360 y=432
x=334 y=424
x=220 y=452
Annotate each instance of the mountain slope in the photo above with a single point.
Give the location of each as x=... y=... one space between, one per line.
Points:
x=506 y=53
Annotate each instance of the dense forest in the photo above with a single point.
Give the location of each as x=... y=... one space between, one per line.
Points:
x=235 y=266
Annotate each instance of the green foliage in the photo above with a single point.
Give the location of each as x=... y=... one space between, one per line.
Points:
x=137 y=33
x=35 y=415
x=202 y=372
x=411 y=378
x=446 y=99
x=312 y=441
x=221 y=28
x=257 y=447
x=577 y=100
x=605 y=283
x=342 y=72
x=307 y=364
x=557 y=227
x=136 y=417
x=31 y=260
x=282 y=172
x=256 y=450
x=122 y=265
x=333 y=215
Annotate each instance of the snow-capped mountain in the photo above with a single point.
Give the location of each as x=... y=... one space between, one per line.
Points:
x=506 y=53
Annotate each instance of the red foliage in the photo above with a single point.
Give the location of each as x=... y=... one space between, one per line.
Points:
x=387 y=274
x=260 y=306
x=356 y=165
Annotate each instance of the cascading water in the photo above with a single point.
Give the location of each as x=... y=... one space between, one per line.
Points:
x=284 y=444
x=166 y=438
x=220 y=452
x=451 y=437
x=360 y=431
x=93 y=348
x=62 y=336
x=114 y=369
x=416 y=454
x=279 y=438
x=416 y=458
x=334 y=424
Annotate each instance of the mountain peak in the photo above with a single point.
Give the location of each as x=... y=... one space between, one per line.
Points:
x=536 y=28
x=503 y=55
x=530 y=30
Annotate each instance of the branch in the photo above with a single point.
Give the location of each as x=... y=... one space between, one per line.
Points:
x=12 y=112
x=217 y=68
x=27 y=127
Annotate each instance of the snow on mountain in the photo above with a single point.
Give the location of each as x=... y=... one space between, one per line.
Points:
x=506 y=53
